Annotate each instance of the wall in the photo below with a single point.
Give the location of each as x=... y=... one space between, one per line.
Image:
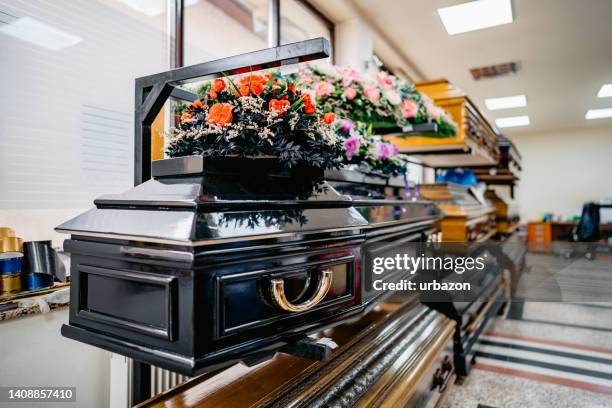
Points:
x=34 y=353
x=563 y=169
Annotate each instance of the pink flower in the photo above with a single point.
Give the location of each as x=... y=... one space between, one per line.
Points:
x=371 y=92
x=346 y=125
x=351 y=146
x=409 y=108
x=433 y=111
x=394 y=150
x=305 y=79
x=349 y=75
x=324 y=88
x=385 y=80
x=350 y=93
x=382 y=150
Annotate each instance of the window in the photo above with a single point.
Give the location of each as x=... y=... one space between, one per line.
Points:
x=300 y=22
x=67 y=107
x=221 y=28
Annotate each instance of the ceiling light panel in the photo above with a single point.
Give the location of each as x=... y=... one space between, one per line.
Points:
x=598 y=113
x=605 y=91
x=506 y=102
x=41 y=34
x=475 y=15
x=512 y=121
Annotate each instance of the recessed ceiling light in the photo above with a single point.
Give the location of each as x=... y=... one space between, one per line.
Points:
x=605 y=91
x=599 y=113
x=512 y=121
x=41 y=34
x=506 y=102
x=475 y=15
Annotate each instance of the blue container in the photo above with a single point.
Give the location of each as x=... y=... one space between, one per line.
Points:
x=11 y=266
x=33 y=281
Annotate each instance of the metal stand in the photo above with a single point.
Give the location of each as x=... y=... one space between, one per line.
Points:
x=311 y=349
x=152 y=91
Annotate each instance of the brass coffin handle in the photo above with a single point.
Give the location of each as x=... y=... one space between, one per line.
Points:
x=277 y=288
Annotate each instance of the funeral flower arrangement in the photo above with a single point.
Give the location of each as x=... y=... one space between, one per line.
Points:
x=381 y=100
x=369 y=153
x=257 y=116
x=446 y=124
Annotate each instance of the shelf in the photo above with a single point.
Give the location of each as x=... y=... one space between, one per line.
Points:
x=465 y=154
x=497 y=179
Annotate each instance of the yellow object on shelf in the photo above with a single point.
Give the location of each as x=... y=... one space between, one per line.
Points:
x=10 y=284
x=6 y=232
x=11 y=244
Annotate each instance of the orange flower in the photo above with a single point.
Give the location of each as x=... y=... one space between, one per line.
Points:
x=257 y=88
x=251 y=83
x=309 y=107
x=185 y=116
x=218 y=85
x=329 y=117
x=279 y=105
x=220 y=114
x=244 y=90
x=197 y=104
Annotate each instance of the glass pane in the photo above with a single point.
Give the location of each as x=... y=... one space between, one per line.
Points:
x=67 y=108
x=221 y=28
x=298 y=23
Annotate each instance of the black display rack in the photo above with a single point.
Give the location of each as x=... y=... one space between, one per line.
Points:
x=412 y=130
x=154 y=90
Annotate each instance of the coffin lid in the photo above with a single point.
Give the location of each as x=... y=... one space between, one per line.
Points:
x=190 y=206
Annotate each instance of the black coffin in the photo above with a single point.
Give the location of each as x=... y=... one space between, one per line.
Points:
x=396 y=223
x=197 y=269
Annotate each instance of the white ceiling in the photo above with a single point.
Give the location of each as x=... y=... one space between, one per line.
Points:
x=564 y=46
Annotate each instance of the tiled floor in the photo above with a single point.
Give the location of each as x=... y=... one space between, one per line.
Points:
x=546 y=354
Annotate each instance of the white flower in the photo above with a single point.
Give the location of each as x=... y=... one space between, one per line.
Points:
x=392 y=96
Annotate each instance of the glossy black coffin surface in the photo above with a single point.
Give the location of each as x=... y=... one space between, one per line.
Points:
x=178 y=271
x=395 y=222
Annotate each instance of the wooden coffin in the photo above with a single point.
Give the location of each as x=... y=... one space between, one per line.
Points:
x=475 y=143
x=507 y=171
x=506 y=212
x=466 y=219
x=397 y=355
